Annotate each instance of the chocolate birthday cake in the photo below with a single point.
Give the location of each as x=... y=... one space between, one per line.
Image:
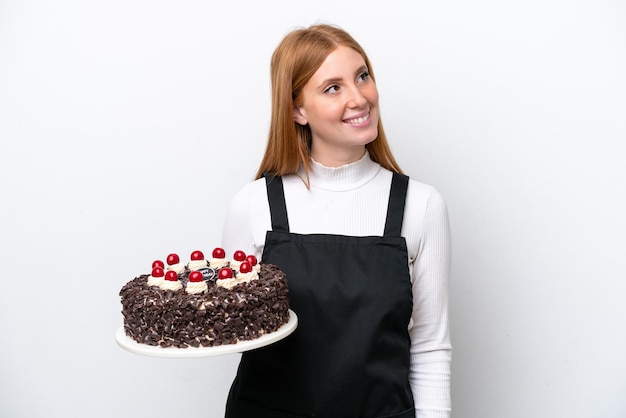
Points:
x=205 y=303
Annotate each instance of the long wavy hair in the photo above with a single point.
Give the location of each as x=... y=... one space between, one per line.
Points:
x=294 y=61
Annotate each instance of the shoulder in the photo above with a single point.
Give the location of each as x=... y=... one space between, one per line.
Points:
x=425 y=218
x=251 y=191
x=246 y=202
x=420 y=196
x=424 y=196
x=426 y=213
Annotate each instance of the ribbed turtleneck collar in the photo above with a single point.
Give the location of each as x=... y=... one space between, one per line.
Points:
x=347 y=177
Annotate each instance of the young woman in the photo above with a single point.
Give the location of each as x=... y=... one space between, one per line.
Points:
x=366 y=250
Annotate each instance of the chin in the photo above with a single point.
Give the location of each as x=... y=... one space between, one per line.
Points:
x=371 y=137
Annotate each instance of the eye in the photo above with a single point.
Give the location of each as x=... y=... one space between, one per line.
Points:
x=364 y=76
x=332 y=89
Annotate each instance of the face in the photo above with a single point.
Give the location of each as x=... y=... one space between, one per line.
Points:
x=340 y=105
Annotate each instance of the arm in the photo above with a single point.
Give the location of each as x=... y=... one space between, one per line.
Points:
x=430 y=340
x=247 y=220
x=237 y=231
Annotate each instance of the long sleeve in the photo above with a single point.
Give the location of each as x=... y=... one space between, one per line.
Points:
x=430 y=340
x=247 y=220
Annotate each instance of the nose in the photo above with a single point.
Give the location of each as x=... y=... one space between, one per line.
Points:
x=356 y=98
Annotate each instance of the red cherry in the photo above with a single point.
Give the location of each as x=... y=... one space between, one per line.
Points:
x=171 y=275
x=225 y=273
x=251 y=259
x=239 y=255
x=197 y=255
x=219 y=253
x=158 y=272
x=195 y=276
x=245 y=267
x=158 y=263
x=173 y=259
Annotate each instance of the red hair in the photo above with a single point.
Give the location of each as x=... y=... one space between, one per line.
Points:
x=295 y=60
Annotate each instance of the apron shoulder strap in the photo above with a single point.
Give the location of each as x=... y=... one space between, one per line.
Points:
x=395 y=208
x=276 y=198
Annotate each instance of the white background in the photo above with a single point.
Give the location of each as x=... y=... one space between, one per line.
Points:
x=126 y=126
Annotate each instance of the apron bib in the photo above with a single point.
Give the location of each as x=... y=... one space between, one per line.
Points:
x=349 y=356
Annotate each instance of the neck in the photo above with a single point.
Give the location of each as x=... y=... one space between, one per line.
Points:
x=337 y=157
x=346 y=177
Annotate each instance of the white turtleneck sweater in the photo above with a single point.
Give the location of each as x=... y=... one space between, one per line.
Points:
x=352 y=200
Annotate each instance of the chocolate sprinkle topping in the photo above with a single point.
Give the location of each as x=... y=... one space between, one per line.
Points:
x=220 y=316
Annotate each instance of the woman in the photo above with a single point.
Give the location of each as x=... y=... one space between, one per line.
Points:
x=366 y=250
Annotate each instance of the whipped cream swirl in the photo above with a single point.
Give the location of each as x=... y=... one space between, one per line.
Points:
x=218 y=263
x=196 y=264
x=178 y=268
x=154 y=281
x=247 y=277
x=171 y=285
x=227 y=283
x=196 y=287
x=234 y=264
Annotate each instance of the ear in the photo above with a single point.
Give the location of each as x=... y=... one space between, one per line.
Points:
x=298 y=116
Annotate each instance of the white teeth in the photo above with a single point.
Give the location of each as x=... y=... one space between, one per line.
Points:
x=356 y=121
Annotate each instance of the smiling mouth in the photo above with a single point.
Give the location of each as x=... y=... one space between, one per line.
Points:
x=358 y=121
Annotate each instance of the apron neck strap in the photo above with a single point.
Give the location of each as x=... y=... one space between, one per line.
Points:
x=276 y=198
x=395 y=208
